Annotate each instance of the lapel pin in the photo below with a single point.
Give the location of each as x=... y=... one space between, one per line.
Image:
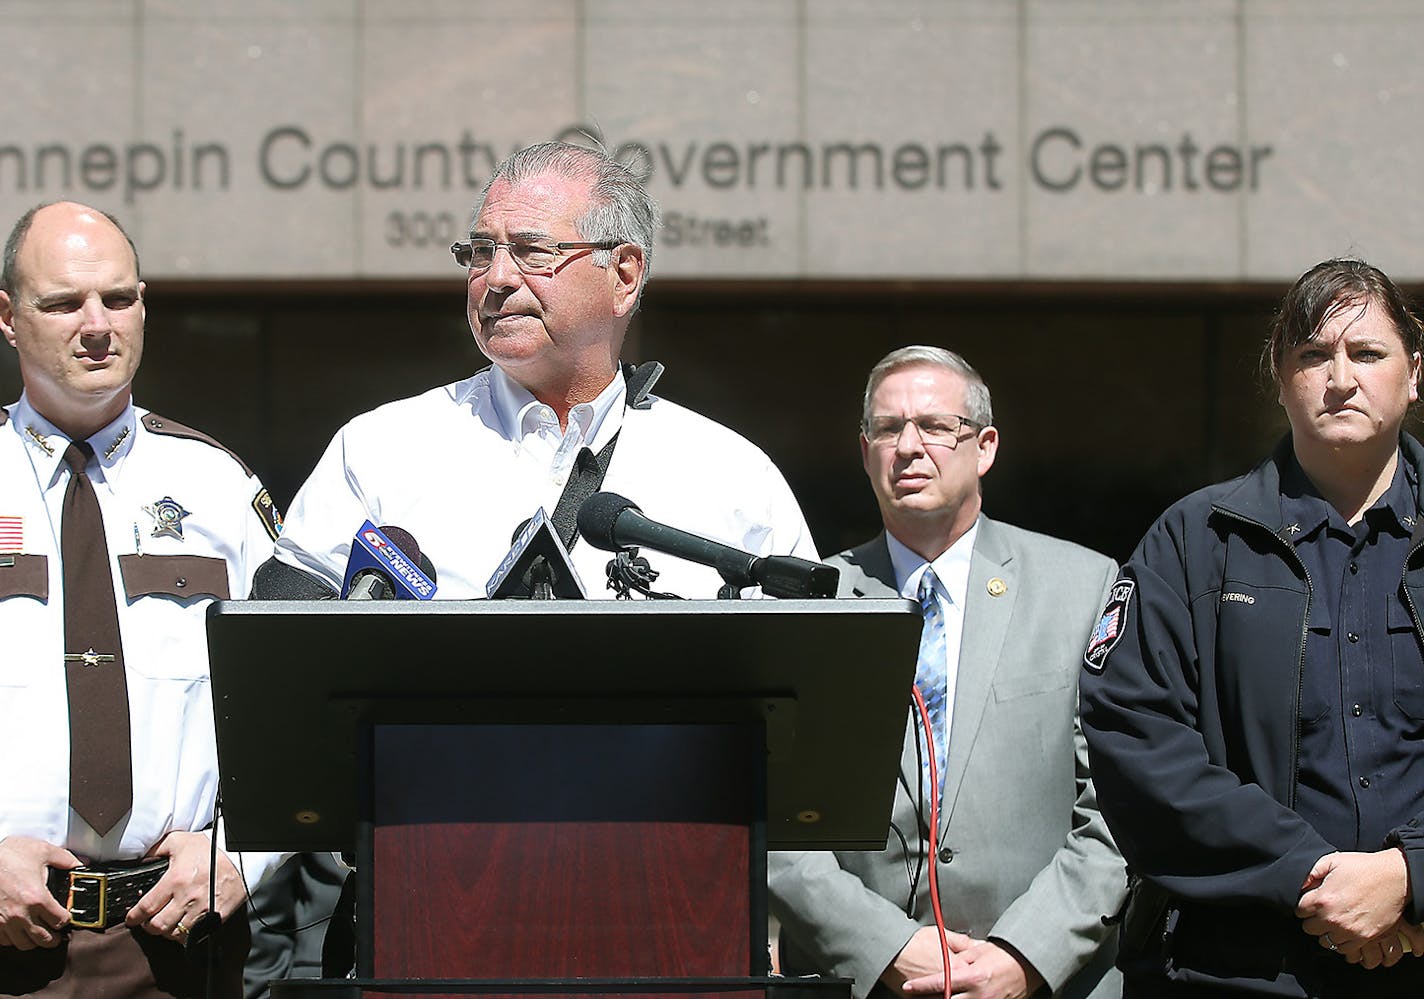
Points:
x=997 y=587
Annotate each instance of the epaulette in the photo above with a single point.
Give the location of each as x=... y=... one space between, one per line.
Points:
x=172 y=428
x=262 y=503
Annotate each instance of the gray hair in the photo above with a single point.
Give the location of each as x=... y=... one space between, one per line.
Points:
x=977 y=405
x=620 y=209
x=10 y=270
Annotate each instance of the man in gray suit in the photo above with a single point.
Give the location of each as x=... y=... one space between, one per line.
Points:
x=1025 y=866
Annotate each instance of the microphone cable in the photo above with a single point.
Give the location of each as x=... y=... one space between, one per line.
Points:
x=934 y=832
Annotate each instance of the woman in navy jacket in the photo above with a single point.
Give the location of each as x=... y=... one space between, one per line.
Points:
x=1253 y=696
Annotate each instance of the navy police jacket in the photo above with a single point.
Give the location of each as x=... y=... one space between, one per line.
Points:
x=1191 y=693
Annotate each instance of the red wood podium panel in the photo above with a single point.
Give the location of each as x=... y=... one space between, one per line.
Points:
x=642 y=988
x=565 y=850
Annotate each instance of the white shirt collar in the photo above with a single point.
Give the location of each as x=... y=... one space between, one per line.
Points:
x=520 y=414
x=45 y=443
x=951 y=568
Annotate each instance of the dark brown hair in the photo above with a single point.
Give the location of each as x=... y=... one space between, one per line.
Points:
x=1322 y=291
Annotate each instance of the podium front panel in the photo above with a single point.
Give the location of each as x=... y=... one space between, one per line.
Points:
x=536 y=851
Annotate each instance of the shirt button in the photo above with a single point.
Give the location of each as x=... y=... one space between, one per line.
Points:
x=1354 y=568
x=946 y=855
x=1356 y=710
x=1353 y=637
x=1364 y=782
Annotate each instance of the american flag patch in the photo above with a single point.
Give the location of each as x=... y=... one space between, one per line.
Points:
x=1110 y=626
x=1106 y=630
x=12 y=534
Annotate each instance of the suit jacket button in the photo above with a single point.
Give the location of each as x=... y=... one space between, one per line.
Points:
x=946 y=855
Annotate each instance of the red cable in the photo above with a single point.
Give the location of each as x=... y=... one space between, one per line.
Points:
x=934 y=831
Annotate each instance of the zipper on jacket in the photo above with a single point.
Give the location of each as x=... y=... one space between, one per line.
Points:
x=1409 y=596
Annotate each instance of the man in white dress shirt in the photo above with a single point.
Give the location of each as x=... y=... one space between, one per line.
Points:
x=166 y=521
x=558 y=255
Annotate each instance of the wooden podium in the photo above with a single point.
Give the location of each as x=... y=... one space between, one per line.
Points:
x=561 y=798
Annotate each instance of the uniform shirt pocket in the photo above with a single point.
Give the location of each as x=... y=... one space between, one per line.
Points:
x=1407 y=660
x=183 y=577
x=24 y=592
x=24 y=576
x=168 y=596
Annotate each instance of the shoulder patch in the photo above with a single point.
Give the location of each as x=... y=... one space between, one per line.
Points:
x=172 y=428
x=268 y=513
x=1110 y=626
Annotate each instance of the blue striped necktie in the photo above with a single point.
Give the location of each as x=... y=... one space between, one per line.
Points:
x=930 y=672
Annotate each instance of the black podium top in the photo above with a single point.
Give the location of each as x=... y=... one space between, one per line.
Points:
x=296 y=683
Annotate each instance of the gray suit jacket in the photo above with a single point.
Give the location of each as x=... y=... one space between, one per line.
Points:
x=1025 y=856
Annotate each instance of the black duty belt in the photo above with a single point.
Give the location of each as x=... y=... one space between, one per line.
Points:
x=101 y=895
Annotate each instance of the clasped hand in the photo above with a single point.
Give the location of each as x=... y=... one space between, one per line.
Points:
x=1353 y=903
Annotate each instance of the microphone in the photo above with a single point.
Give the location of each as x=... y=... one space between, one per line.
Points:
x=386 y=564
x=537 y=566
x=276 y=580
x=612 y=522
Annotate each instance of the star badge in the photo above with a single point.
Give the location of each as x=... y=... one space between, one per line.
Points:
x=167 y=518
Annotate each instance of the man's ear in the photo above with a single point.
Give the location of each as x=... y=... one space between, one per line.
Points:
x=988 y=442
x=627 y=269
x=7 y=318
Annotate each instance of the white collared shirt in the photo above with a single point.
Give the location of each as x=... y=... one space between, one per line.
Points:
x=162 y=604
x=534 y=427
x=951 y=590
x=445 y=467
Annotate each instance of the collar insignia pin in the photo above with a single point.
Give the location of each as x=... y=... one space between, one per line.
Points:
x=40 y=441
x=1409 y=522
x=997 y=587
x=1292 y=528
x=123 y=436
x=167 y=518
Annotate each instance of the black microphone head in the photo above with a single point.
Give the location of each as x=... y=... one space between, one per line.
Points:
x=403 y=540
x=513 y=538
x=426 y=566
x=597 y=516
x=276 y=580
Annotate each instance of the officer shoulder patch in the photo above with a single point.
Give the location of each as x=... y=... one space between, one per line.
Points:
x=267 y=513
x=1110 y=626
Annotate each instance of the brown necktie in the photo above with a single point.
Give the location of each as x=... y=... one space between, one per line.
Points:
x=100 y=770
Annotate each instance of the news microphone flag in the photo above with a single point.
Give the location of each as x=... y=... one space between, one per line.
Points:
x=536 y=538
x=371 y=550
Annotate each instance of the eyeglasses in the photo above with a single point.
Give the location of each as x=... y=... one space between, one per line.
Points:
x=934 y=428
x=530 y=257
